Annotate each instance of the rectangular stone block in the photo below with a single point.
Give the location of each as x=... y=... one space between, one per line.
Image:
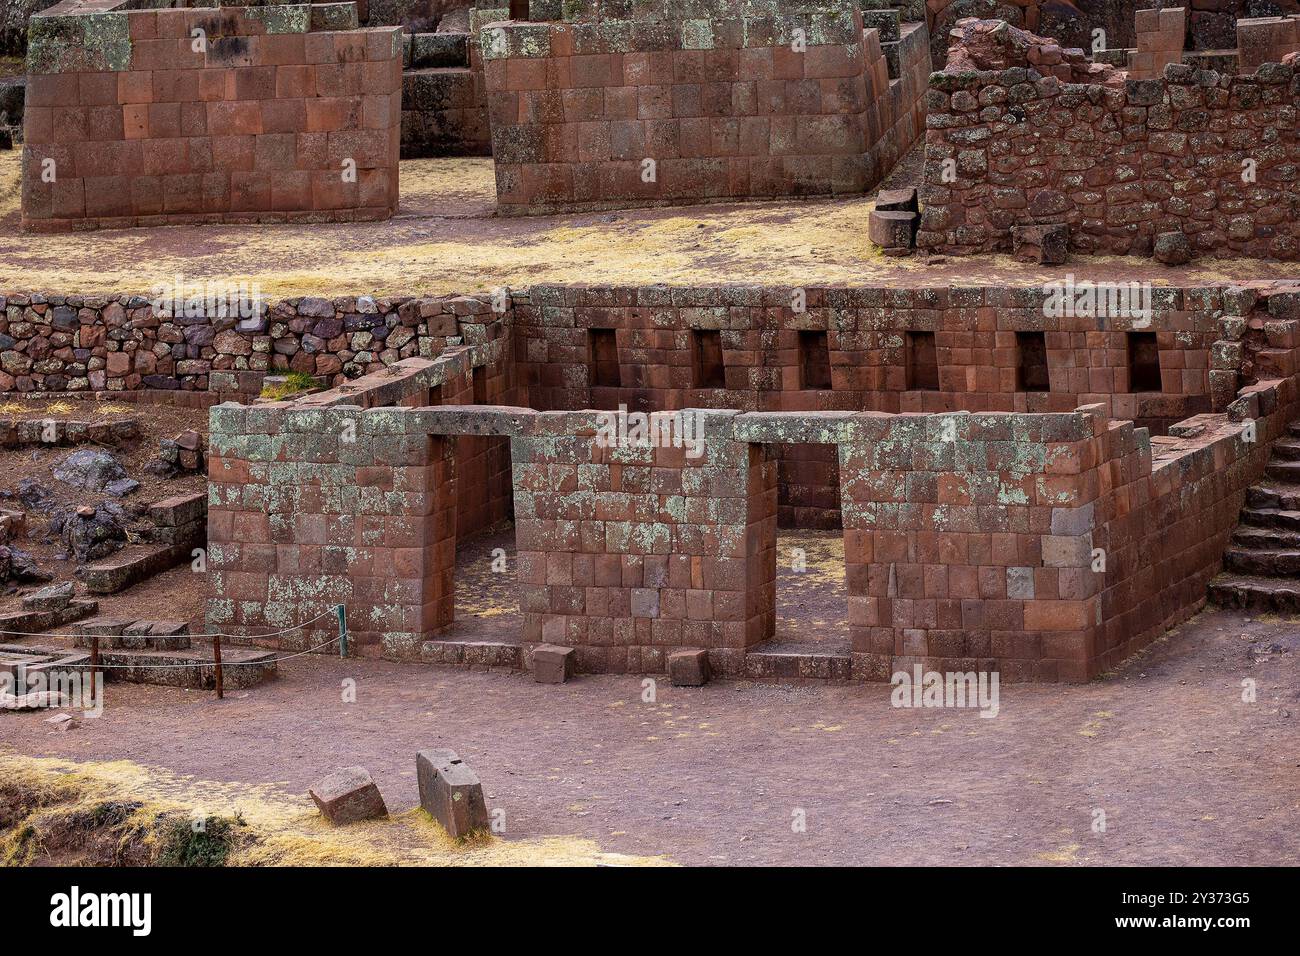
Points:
x=450 y=792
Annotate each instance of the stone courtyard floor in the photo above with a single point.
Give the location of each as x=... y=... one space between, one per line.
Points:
x=447 y=240
x=1185 y=772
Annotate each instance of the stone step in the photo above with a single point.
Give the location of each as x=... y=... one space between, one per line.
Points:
x=1286 y=449
x=472 y=654
x=46 y=621
x=1247 y=592
x=770 y=665
x=1275 y=495
x=133 y=635
x=1294 y=429
x=1271 y=518
x=1254 y=538
x=1265 y=563
x=1288 y=471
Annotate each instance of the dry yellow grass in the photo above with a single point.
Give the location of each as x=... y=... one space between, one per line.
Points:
x=446 y=241
x=285 y=829
x=10 y=181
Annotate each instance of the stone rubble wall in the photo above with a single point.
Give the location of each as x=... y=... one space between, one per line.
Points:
x=1118 y=164
x=122 y=344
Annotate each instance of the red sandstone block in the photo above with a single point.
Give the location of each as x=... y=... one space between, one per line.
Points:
x=107 y=196
x=147 y=195
x=295 y=82
x=104 y=123
x=68 y=199
x=283 y=115
x=194 y=119
x=255 y=83
x=327 y=114
x=38 y=125
x=164 y=120
x=96 y=89
x=291 y=190
x=161 y=157
x=274 y=152
x=525 y=74
x=350 y=47
x=234 y=119
x=52 y=89
x=143 y=25
x=281 y=49
x=232 y=152
x=183 y=194
x=68 y=124
x=216 y=85
x=329 y=191
x=319 y=48
x=251 y=192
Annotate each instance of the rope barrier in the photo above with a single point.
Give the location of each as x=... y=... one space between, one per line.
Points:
x=275 y=660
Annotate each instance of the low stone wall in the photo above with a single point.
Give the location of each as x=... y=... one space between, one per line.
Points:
x=132 y=119
x=127 y=343
x=1053 y=139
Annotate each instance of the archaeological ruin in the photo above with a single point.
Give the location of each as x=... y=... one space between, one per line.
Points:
x=1055 y=415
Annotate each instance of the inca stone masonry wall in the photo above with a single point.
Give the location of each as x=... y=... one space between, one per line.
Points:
x=725 y=105
x=1056 y=139
x=132 y=121
x=971 y=538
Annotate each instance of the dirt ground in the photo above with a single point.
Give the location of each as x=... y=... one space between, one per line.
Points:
x=1184 y=771
x=155 y=422
x=447 y=240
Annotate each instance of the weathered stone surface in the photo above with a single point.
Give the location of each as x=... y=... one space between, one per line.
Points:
x=348 y=795
x=892 y=230
x=689 y=668
x=1173 y=248
x=552 y=664
x=89 y=469
x=451 y=793
x=1044 y=244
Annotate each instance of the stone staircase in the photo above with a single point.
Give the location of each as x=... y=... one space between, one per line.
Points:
x=1262 y=565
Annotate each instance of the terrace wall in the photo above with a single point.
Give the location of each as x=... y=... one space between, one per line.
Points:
x=130 y=120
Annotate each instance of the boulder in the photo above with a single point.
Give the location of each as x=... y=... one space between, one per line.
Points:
x=90 y=469
x=1173 y=248
x=91 y=533
x=16 y=565
x=1043 y=244
x=348 y=795
x=451 y=793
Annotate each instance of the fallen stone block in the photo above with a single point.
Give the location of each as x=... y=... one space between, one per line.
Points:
x=892 y=230
x=63 y=721
x=897 y=200
x=55 y=597
x=348 y=795
x=450 y=792
x=552 y=664
x=1043 y=244
x=688 y=668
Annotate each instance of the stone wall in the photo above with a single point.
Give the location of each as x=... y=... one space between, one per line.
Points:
x=53 y=343
x=132 y=120
x=645 y=110
x=1054 y=139
x=972 y=539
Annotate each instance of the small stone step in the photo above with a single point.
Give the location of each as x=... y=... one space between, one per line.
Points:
x=1284 y=471
x=1277 y=495
x=1266 y=539
x=1271 y=518
x=1294 y=429
x=1270 y=563
x=1245 y=592
x=1286 y=449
